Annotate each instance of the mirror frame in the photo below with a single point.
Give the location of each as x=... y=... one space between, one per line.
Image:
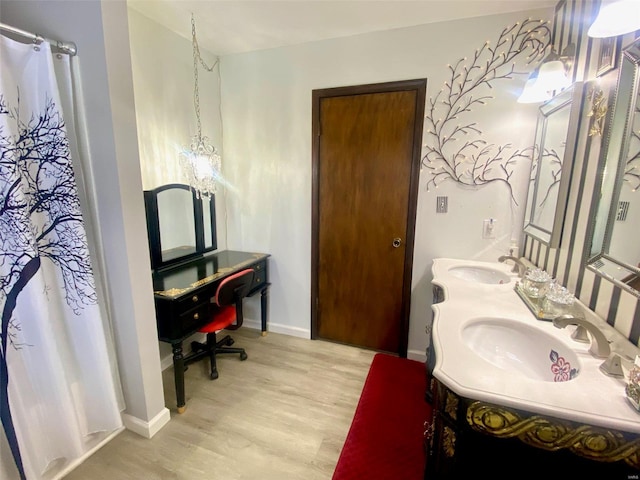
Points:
x=615 y=149
x=573 y=96
x=153 y=225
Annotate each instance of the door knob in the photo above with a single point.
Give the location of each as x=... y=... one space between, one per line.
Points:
x=396 y=242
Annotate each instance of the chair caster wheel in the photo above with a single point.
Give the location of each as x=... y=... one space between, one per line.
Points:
x=243 y=356
x=230 y=342
x=213 y=375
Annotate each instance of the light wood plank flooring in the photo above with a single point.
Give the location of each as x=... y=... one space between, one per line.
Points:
x=282 y=414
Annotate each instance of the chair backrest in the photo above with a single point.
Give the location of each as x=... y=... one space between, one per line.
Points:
x=234 y=288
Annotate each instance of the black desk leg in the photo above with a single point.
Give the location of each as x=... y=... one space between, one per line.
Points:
x=178 y=373
x=263 y=309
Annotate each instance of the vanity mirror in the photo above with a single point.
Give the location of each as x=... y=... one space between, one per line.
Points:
x=615 y=249
x=179 y=224
x=554 y=148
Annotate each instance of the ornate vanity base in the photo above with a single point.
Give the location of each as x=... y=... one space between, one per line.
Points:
x=472 y=439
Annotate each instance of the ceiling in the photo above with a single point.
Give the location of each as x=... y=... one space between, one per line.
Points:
x=236 y=26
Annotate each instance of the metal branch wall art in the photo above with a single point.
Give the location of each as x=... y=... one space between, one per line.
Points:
x=454 y=149
x=554 y=160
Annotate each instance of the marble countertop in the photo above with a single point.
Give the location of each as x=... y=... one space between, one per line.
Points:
x=592 y=397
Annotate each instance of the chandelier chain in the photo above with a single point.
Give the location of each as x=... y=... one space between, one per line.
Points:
x=197 y=58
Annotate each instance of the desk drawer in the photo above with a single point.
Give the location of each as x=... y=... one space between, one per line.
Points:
x=195 y=318
x=260 y=277
x=198 y=297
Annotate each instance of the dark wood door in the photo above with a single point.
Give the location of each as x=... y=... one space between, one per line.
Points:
x=366 y=164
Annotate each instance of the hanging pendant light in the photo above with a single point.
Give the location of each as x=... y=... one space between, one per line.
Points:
x=616 y=18
x=200 y=161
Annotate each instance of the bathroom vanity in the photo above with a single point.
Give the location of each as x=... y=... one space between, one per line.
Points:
x=508 y=388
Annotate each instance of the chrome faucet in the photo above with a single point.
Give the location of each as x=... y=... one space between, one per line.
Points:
x=599 y=343
x=518 y=265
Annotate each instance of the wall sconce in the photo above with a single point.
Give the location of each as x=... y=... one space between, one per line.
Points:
x=550 y=76
x=616 y=18
x=532 y=93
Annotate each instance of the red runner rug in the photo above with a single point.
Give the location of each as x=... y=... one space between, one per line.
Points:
x=386 y=437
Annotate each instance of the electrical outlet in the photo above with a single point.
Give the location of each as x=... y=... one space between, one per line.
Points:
x=489 y=228
x=442 y=204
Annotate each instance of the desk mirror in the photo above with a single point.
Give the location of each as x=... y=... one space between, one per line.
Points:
x=180 y=225
x=551 y=166
x=615 y=249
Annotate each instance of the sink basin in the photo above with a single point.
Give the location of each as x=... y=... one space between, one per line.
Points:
x=520 y=348
x=480 y=274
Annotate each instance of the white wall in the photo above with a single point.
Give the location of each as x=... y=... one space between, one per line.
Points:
x=266 y=105
x=101 y=34
x=162 y=64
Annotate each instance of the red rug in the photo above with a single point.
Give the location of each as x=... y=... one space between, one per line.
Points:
x=386 y=437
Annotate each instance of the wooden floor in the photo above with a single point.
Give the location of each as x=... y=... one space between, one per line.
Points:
x=282 y=414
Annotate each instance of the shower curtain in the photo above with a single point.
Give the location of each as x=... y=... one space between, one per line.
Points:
x=59 y=391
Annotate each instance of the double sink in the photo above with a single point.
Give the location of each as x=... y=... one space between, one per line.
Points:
x=489 y=346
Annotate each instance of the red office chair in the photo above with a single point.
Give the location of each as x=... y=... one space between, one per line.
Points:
x=227 y=315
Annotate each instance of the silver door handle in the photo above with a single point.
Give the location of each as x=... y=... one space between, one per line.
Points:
x=396 y=242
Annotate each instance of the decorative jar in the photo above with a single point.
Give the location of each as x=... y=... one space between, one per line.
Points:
x=558 y=300
x=535 y=283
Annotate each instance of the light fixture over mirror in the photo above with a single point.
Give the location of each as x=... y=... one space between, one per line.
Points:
x=532 y=91
x=615 y=18
x=549 y=77
x=200 y=161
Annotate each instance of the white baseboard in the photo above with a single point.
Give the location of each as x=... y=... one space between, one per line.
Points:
x=279 y=328
x=78 y=461
x=419 y=355
x=144 y=428
x=167 y=360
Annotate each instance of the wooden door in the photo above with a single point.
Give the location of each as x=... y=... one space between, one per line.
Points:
x=366 y=162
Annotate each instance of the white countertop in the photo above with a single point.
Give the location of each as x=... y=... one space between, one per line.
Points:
x=592 y=397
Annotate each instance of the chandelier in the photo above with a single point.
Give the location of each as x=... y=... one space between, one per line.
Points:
x=200 y=161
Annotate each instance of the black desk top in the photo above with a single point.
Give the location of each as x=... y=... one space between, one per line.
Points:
x=178 y=280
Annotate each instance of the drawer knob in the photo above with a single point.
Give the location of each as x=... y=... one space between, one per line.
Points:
x=196 y=316
x=194 y=298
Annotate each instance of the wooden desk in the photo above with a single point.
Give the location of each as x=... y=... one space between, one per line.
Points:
x=183 y=296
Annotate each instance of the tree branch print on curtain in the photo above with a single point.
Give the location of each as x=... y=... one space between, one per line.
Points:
x=40 y=219
x=454 y=147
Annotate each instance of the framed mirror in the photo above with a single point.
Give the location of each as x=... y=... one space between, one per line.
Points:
x=552 y=164
x=180 y=225
x=615 y=249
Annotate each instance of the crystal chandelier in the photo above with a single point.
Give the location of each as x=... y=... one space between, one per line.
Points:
x=200 y=161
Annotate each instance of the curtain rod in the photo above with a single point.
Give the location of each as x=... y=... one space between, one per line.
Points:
x=64 y=47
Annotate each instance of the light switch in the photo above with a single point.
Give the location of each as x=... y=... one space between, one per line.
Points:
x=489 y=228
